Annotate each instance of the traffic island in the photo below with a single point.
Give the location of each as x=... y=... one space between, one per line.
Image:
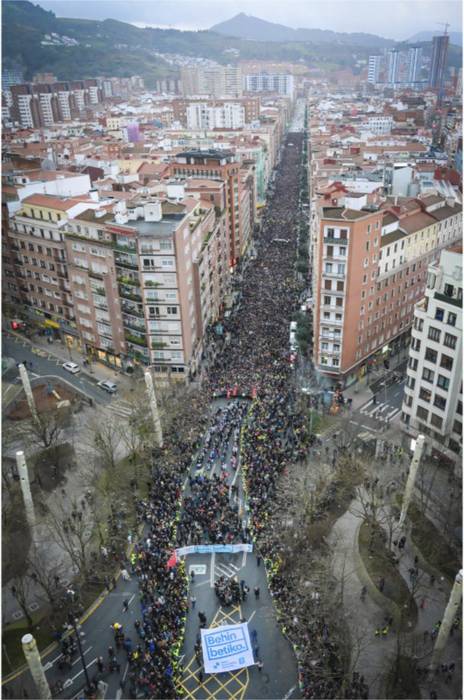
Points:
x=401 y=682
x=381 y=576
x=431 y=544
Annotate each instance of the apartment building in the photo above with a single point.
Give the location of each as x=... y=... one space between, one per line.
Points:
x=228 y=116
x=433 y=394
x=211 y=79
x=280 y=83
x=124 y=283
x=220 y=165
x=369 y=269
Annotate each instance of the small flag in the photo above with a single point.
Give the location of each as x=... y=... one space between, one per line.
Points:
x=172 y=561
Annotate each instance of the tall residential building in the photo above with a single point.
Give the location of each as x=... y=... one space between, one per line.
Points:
x=12 y=76
x=439 y=59
x=414 y=64
x=281 y=83
x=393 y=61
x=227 y=116
x=213 y=79
x=369 y=269
x=433 y=394
x=217 y=165
x=124 y=284
x=373 y=73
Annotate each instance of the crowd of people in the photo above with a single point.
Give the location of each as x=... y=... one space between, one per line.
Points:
x=256 y=359
x=254 y=362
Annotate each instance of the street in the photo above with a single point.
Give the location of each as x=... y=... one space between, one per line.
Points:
x=45 y=364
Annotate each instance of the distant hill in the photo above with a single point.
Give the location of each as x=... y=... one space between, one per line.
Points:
x=115 y=48
x=255 y=29
x=455 y=37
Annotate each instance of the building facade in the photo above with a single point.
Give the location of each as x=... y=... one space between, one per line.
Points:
x=433 y=394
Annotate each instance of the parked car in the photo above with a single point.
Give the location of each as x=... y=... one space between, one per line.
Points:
x=108 y=386
x=71 y=367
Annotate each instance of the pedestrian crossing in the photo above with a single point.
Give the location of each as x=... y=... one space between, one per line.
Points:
x=381 y=411
x=121 y=408
x=227 y=570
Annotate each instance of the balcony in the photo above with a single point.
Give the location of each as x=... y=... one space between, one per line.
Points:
x=335 y=241
x=132 y=310
x=131 y=264
x=135 y=340
x=129 y=293
x=448 y=300
x=131 y=281
x=133 y=324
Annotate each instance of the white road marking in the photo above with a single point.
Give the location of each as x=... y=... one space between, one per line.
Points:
x=211 y=577
x=244 y=559
x=125 y=672
x=70 y=681
x=367 y=427
x=393 y=413
x=251 y=616
x=131 y=598
x=288 y=695
x=225 y=571
x=84 y=653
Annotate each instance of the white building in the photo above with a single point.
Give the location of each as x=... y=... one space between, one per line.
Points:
x=393 y=67
x=281 y=83
x=414 y=63
x=230 y=115
x=433 y=393
x=373 y=73
x=378 y=125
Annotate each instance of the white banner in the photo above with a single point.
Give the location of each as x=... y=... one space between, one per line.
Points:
x=210 y=548
x=226 y=648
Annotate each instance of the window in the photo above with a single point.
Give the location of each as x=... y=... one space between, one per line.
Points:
x=328 y=267
x=431 y=355
x=428 y=375
x=446 y=362
x=341 y=268
x=330 y=251
x=436 y=420
x=340 y=286
x=459 y=408
x=367 y=245
x=412 y=363
x=342 y=250
x=450 y=341
x=327 y=300
x=172 y=310
x=422 y=413
x=425 y=395
x=443 y=382
x=439 y=314
x=439 y=402
x=434 y=334
x=448 y=290
x=327 y=284
x=457 y=427
x=451 y=319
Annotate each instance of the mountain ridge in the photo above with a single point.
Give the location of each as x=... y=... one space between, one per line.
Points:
x=254 y=28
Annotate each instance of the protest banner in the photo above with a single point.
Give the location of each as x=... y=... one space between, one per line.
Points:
x=226 y=648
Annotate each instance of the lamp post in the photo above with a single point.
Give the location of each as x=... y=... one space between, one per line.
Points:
x=72 y=622
x=26 y=491
x=28 y=391
x=154 y=409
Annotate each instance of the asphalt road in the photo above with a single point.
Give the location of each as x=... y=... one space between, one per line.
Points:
x=19 y=350
x=279 y=674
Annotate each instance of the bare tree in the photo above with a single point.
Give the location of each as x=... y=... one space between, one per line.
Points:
x=106 y=441
x=20 y=589
x=47 y=431
x=46 y=576
x=73 y=533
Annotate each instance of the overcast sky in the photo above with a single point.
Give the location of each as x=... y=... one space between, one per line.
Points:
x=395 y=19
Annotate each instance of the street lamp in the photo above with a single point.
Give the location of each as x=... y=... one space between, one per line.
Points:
x=72 y=622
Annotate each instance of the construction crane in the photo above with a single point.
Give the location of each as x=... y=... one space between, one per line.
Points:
x=445 y=25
